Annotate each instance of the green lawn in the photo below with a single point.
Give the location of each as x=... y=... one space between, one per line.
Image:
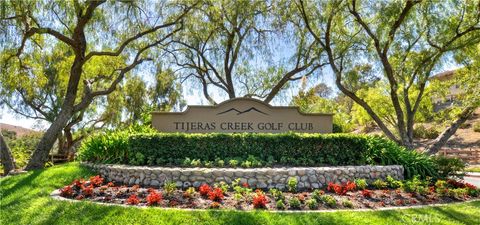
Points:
x=25 y=200
x=473 y=169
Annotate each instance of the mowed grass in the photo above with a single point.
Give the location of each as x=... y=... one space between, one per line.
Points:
x=25 y=200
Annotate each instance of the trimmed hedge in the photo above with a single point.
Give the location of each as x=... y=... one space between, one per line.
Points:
x=292 y=149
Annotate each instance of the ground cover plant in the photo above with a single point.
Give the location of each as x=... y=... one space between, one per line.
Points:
x=147 y=147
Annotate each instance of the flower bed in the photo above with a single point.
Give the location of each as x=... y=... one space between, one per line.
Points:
x=356 y=194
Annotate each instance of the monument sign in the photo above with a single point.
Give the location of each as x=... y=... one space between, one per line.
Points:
x=242 y=115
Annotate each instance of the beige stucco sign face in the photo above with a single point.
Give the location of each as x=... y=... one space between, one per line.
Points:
x=241 y=115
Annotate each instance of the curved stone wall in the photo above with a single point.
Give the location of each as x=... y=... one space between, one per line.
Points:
x=308 y=177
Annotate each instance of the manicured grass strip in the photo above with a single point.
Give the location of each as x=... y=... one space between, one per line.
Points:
x=25 y=199
x=473 y=169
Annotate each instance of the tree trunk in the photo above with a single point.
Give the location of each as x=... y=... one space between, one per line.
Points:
x=40 y=155
x=61 y=144
x=8 y=161
x=442 y=139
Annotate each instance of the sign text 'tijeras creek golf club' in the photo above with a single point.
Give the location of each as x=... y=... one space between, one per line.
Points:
x=241 y=115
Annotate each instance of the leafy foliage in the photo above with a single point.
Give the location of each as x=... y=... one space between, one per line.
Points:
x=449 y=167
x=287 y=149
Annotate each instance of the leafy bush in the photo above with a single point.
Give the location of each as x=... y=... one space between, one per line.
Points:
x=361 y=184
x=259 y=200
x=277 y=194
x=367 y=193
x=347 y=203
x=329 y=200
x=169 y=187
x=292 y=184
x=154 y=198
x=421 y=131
x=449 y=167
x=204 y=189
x=317 y=194
x=21 y=147
x=280 y=205
x=312 y=203
x=291 y=149
x=379 y=184
x=133 y=200
x=294 y=203
x=476 y=127
x=216 y=195
x=392 y=183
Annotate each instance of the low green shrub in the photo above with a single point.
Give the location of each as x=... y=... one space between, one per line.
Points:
x=280 y=205
x=329 y=200
x=421 y=131
x=142 y=146
x=294 y=203
x=312 y=204
x=292 y=184
x=449 y=167
x=361 y=184
x=379 y=184
x=476 y=127
x=347 y=203
x=392 y=183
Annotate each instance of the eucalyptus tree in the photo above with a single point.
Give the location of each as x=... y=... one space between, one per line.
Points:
x=120 y=35
x=245 y=48
x=404 y=42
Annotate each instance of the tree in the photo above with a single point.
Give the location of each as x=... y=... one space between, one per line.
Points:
x=403 y=41
x=224 y=41
x=468 y=80
x=8 y=162
x=86 y=31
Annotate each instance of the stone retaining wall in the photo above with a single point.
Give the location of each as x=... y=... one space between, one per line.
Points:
x=308 y=177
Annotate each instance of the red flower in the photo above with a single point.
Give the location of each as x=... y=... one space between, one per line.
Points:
x=110 y=184
x=66 y=191
x=259 y=200
x=245 y=185
x=154 y=198
x=79 y=197
x=350 y=186
x=133 y=200
x=96 y=180
x=367 y=193
x=470 y=186
x=78 y=183
x=172 y=203
x=399 y=202
x=216 y=195
x=87 y=191
x=341 y=189
x=204 y=189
